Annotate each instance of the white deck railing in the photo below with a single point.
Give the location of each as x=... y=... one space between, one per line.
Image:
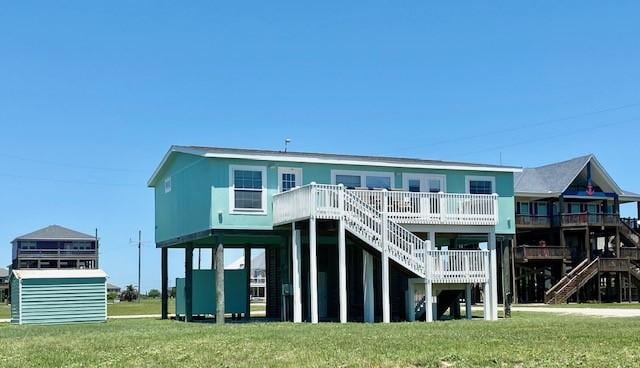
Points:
x=458 y=266
x=434 y=208
x=368 y=216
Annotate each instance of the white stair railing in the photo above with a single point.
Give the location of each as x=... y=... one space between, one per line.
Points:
x=366 y=215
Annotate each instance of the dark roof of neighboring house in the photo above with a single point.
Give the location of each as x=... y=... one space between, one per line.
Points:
x=555 y=178
x=112 y=286
x=329 y=157
x=55 y=232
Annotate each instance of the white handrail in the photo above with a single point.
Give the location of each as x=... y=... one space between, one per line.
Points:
x=363 y=212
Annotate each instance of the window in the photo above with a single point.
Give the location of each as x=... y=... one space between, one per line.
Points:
x=378 y=182
x=480 y=184
x=413 y=185
x=358 y=179
x=248 y=193
x=435 y=185
x=349 y=181
x=167 y=185
x=289 y=178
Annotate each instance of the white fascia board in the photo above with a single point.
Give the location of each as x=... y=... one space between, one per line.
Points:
x=361 y=163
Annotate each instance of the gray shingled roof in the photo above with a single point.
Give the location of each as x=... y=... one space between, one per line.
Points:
x=553 y=178
x=4 y=272
x=55 y=232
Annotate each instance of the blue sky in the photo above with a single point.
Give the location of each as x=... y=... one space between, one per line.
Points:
x=93 y=94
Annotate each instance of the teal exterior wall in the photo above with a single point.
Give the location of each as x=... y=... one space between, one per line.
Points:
x=199 y=198
x=204 y=292
x=59 y=300
x=15 y=300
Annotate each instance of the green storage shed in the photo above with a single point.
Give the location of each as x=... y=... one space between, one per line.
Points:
x=58 y=296
x=204 y=292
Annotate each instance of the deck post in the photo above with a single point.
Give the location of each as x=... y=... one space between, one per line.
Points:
x=295 y=270
x=386 y=303
x=342 y=258
x=313 y=270
x=164 y=266
x=249 y=274
x=367 y=286
x=188 y=283
x=507 y=293
x=428 y=301
x=220 y=283
x=493 y=275
x=467 y=301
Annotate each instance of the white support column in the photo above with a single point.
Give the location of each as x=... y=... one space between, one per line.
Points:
x=367 y=286
x=295 y=273
x=486 y=303
x=494 y=275
x=313 y=270
x=467 y=301
x=342 y=259
x=386 y=303
x=428 y=301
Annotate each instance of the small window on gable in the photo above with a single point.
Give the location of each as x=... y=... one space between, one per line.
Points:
x=167 y=185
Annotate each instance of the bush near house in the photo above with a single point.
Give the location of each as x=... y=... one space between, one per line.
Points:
x=129 y=294
x=153 y=293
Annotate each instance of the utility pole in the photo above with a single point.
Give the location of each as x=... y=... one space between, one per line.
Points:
x=139 y=256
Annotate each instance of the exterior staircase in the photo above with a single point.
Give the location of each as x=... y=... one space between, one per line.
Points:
x=446 y=299
x=572 y=282
x=630 y=231
x=367 y=216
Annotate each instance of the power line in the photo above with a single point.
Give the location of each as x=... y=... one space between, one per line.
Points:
x=525 y=126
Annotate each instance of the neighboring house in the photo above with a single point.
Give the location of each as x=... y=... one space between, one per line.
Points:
x=568 y=223
x=346 y=237
x=258 y=282
x=111 y=288
x=4 y=284
x=55 y=247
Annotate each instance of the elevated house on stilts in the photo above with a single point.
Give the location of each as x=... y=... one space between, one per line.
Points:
x=572 y=243
x=347 y=238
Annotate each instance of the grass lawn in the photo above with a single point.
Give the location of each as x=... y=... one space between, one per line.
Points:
x=527 y=340
x=5 y=312
x=634 y=305
x=146 y=306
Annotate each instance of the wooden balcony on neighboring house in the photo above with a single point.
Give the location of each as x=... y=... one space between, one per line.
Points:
x=586 y=219
x=614 y=265
x=533 y=221
x=526 y=253
x=630 y=253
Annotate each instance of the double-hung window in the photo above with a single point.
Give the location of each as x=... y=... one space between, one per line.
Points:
x=480 y=184
x=248 y=191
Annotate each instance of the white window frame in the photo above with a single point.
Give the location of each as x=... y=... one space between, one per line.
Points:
x=424 y=181
x=232 y=191
x=167 y=185
x=469 y=178
x=289 y=170
x=363 y=176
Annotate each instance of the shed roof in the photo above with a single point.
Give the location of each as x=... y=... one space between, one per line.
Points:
x=4 y=272
x=315 y=157
x=55 y=232
x=58 y=274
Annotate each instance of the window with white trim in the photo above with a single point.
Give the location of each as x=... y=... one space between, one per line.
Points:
x=359 y=179
x=289 y=178
x=248 y=192
x=480 y=184
x=167 y=185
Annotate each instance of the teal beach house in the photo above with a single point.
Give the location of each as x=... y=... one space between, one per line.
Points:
x=346 y=238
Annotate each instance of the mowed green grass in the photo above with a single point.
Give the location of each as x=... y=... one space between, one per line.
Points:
x=527 y=340
x=5 y=312
x=634 y=305
x=145 y=306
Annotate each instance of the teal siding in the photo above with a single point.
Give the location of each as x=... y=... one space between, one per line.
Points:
x=15 y=300
x=204 y=292
x=199 y=198
x=61 y=300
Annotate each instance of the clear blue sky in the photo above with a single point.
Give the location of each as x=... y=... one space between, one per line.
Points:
x=92 y=94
